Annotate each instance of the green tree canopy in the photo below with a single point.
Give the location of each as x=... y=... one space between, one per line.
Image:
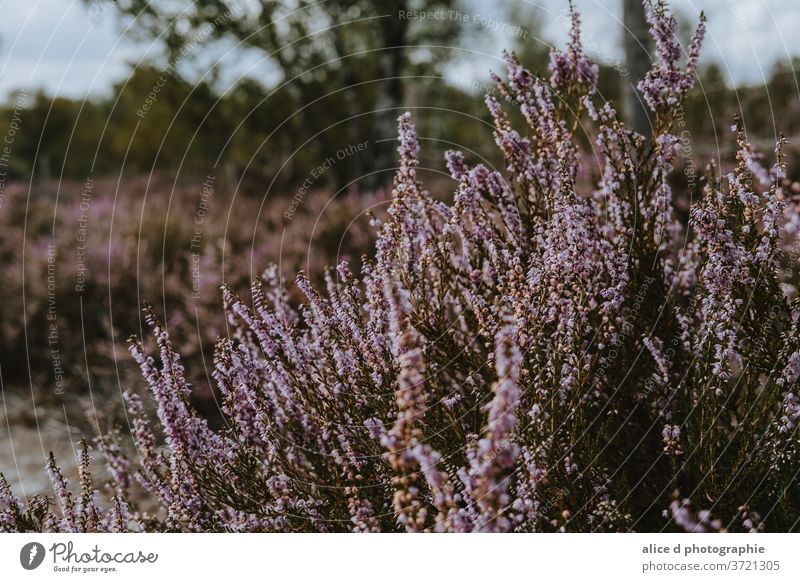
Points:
x=340 y=63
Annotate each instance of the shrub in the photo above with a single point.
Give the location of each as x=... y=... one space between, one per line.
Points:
x=527 y=358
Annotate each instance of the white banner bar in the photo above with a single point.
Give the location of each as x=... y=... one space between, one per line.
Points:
x=401 y=557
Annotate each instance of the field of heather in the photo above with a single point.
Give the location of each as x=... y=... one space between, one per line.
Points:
x=67 y=313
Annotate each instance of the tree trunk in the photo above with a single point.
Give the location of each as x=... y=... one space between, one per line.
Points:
x=389 y=101
x=636 y=41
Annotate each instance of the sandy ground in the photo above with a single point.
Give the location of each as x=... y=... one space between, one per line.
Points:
x=24 y=446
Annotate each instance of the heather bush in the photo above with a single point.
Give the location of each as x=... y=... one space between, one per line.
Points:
x=532 y=357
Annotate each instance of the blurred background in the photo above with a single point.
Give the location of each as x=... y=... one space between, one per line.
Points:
x=151 y=150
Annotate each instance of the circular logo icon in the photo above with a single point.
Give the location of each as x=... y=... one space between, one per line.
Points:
x=31 y=555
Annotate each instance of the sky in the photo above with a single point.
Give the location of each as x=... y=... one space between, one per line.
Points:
x=747 y=37
x=57 y=45
x=74 y=50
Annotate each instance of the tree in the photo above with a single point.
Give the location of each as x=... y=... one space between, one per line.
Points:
x=337 y=59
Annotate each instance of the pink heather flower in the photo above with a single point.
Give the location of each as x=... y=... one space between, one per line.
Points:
x=361 y=513
x=455 y=164
x=9 y=508
x=69 y=521
x=666 y=83
x=488 y=479
x=788 y=379
x=671 y=435
x=691 y=521
x=572 y=68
